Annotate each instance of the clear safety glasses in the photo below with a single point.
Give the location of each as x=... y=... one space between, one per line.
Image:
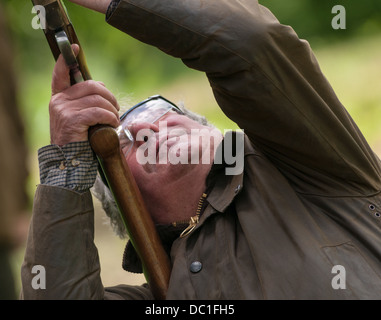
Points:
x=149 y=110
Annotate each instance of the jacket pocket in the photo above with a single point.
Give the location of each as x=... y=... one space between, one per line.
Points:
x=358 y=275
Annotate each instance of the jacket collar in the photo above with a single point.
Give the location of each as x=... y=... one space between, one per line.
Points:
x=223 y=187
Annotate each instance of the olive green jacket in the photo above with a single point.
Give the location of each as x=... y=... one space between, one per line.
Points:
x=301 y=222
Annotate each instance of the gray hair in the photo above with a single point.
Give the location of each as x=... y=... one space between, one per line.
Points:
x=104 y=195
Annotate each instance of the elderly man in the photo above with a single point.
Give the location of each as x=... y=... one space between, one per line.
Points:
x=301 y=221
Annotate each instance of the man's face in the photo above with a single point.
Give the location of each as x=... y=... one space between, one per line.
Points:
x=165 y=154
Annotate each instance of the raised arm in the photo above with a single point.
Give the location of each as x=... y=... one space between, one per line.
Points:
x=61 y=235
x=265 y=79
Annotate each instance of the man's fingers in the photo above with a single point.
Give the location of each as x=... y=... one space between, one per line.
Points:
x=61 y=73
x=96 y=116
x=73 y=109
x=90 y=88
x=94 y=101
x=61 y=84
x=73 y=126
x=67 y=111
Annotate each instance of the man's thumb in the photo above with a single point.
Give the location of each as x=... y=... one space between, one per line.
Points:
x=61 y=73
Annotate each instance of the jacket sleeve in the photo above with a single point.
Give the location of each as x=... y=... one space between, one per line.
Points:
x=61 y=260
x=60 y=242
x=265 y=79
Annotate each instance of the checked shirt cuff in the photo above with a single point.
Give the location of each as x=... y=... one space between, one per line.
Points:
x=73 y=166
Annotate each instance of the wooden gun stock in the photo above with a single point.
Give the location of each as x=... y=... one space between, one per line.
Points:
x=105 y=143
x=141 y=229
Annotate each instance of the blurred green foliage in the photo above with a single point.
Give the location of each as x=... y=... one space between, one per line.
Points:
x=311 y=19
x=133 y=64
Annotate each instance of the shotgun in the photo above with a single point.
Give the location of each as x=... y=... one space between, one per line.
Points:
x=104 y=141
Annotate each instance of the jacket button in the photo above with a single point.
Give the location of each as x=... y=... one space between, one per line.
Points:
x=195 y=266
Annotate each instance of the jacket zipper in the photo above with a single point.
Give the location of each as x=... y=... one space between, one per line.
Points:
x=192 y=223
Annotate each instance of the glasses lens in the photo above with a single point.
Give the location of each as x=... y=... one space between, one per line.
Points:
x=150 y=110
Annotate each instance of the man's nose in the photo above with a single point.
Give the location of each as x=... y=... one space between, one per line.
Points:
x=142 y=131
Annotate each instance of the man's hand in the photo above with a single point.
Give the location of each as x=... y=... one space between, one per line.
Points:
x=96 y=5
x=73 y=109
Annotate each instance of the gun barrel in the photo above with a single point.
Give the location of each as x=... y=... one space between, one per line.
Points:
x=58 y=20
